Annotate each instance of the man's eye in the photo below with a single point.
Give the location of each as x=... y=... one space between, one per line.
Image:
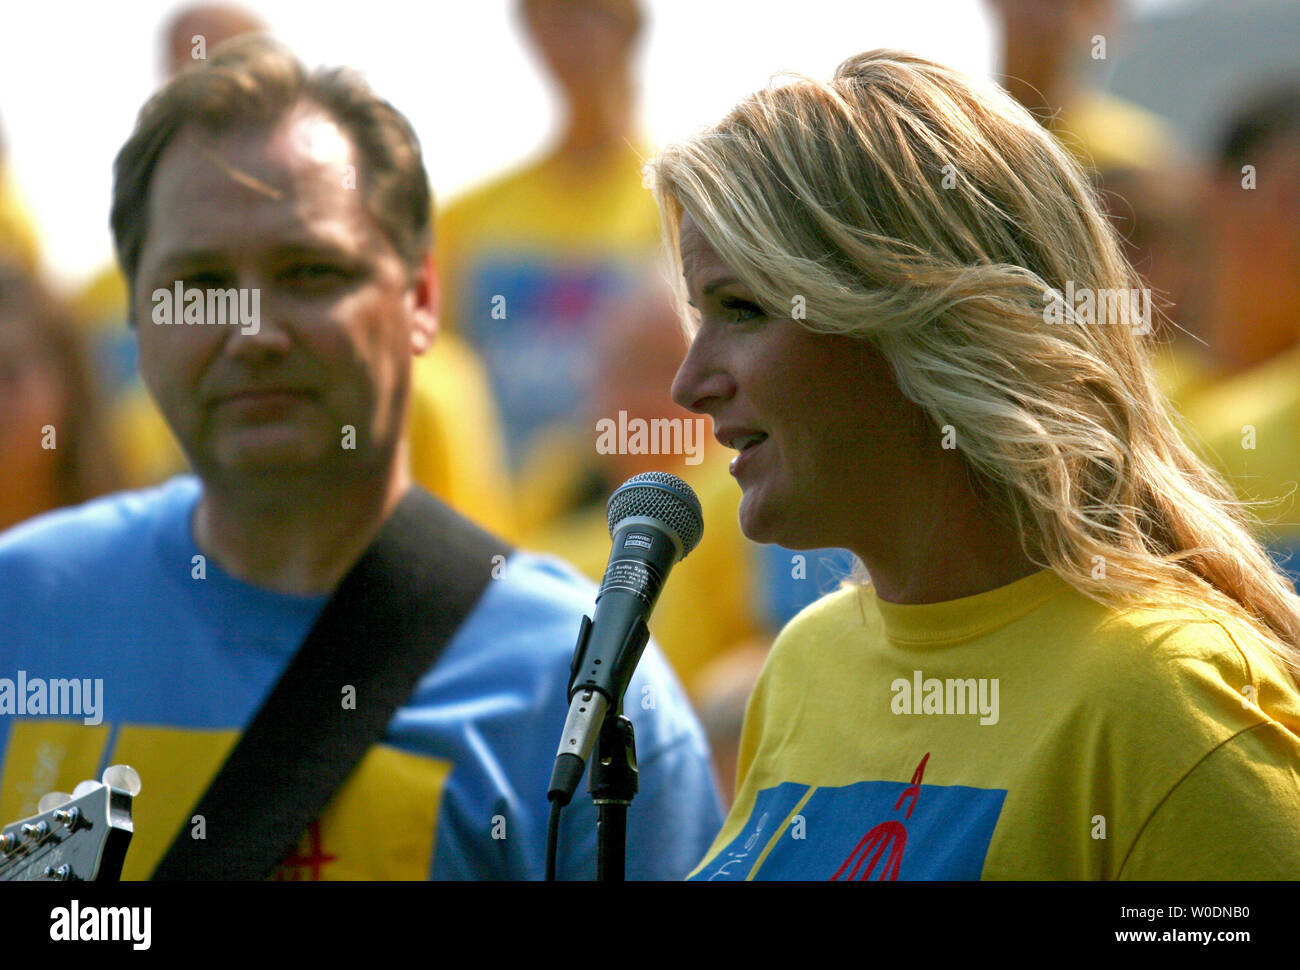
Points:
x=739 y=311
x=317 y=273
x=208 y=280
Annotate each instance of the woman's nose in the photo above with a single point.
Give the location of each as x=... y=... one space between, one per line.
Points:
x=702 y=380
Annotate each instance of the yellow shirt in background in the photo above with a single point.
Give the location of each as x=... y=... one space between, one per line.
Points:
x=18 y=237
x=1250 y=429
x=532 y=266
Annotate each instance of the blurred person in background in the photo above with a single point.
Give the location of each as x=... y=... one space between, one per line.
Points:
x=1250 y=418
x=18 y=239
x=1251 y=261
x=1146 y=184
x=53 y=450
x=192 y=31
x=1043 y=43
x=530 y=260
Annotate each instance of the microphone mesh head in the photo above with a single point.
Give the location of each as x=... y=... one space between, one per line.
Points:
x=663 y=497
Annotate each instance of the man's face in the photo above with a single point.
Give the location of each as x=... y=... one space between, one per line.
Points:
x=277 y=215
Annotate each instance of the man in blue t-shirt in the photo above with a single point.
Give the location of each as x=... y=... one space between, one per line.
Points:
x=274 y=229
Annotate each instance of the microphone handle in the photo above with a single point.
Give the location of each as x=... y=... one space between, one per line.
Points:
x=610 y=647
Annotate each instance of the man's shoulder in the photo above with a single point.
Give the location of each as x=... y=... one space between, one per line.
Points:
x=101 y=529
x=545 y=579
x=532 y=606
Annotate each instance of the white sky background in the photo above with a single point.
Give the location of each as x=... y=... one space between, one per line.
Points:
x=73 y=75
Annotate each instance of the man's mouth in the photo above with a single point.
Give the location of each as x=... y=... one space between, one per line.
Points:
x=254 y=394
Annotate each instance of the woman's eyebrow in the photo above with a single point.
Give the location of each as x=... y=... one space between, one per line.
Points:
x=716 y=285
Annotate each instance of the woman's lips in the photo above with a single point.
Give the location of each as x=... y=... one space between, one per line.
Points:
x=742 y=460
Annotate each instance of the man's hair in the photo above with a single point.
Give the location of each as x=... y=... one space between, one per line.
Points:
x=933 y=217
x=254 y=81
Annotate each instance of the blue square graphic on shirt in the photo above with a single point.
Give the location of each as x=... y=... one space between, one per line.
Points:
x=863 y=831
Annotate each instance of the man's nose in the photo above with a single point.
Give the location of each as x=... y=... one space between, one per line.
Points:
x=261 y=326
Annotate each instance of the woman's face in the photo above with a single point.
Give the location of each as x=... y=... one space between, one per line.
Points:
x=826 y=441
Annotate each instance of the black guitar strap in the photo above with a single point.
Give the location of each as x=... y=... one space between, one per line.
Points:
x=381 y=630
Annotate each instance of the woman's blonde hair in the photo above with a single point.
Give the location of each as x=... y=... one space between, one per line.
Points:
x=906 y=205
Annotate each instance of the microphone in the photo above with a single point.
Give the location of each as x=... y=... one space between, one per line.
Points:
x=655 y=522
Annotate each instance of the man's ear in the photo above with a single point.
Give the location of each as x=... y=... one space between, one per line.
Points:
x=426 y=305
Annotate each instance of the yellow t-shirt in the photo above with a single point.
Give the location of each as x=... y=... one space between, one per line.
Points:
x=1105 y=133
x=455 y=435
x=1182 y=374
x=1250 y=429
x=1023 y=733
x=18 y=238
x=542 y=208
x=531 y=266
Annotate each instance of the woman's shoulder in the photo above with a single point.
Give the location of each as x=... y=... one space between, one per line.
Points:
x=1154 y=638
x=1150 y=660
x=847 y=611
x=1185 y=671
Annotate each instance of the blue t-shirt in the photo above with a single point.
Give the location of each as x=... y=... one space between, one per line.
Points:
x=116 y=592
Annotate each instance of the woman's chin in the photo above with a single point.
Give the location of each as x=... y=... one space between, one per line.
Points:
x=782 y=523
x=764 y=522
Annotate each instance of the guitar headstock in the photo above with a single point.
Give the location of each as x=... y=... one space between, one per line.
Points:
x=77 y=837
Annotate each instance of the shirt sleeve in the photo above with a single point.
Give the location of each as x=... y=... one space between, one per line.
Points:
x=1235 y=815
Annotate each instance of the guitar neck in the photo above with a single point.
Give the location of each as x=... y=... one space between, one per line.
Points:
x=82 y=839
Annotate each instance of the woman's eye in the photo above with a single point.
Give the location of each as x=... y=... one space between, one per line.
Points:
x=739 y=311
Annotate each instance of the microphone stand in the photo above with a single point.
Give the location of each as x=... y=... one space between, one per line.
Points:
x=613 y=785
x=654 y=521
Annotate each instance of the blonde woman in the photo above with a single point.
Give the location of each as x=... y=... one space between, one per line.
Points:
x=1072 y=660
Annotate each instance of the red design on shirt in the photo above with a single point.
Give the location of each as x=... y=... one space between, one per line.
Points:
x=313 y=859
x=890 y=835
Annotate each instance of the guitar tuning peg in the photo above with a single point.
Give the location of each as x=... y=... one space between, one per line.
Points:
x=124 y=778
x=52 y=800
x=84 y=788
